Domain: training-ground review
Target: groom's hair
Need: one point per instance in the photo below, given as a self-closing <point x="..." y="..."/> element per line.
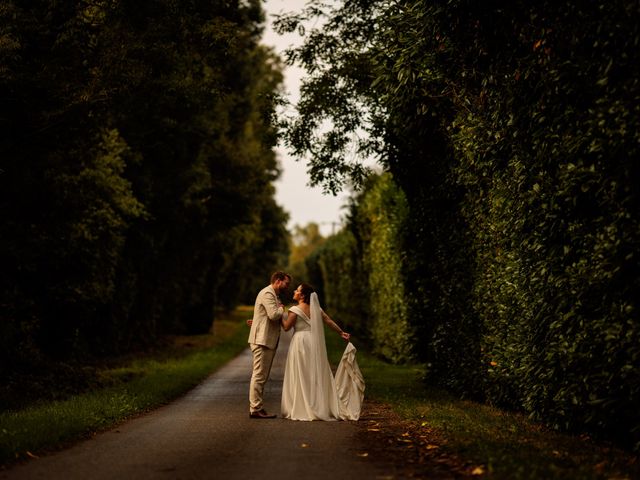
<point x="306" y="290"/>
<point x="279" y="276"/>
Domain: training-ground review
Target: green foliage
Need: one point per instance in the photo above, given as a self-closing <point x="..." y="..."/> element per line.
<point x="547" y="161"/>
<point x="136" y="178"/>
<point x="337" y="81"/>
<point x="343" y="281"/>
<point x="361" y="271"/>
<point x="97" y="205"/>
<point x="522" y="236"/>
<point x="304" y="240"/>
<point x="385" y="210"/>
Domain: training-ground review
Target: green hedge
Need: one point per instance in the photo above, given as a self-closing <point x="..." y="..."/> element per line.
<point x="532" y="152"/>
<point x="361" y="271"/>
<point x="513" y="131"/>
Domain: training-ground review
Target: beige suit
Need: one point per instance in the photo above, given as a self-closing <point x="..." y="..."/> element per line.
<point x="263" y="339"/>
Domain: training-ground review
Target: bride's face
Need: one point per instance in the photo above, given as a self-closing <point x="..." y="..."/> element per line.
<point x="297" y="295"/>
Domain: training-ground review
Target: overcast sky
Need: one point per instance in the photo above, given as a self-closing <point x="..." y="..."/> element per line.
<point x="304" y="203"/>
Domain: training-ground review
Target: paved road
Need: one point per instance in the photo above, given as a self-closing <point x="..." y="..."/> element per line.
<point x="208" y="434"/>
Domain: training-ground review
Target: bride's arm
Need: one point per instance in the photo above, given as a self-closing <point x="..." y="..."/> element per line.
<point x="334" y="326"/>
<point x="290" y="321"/>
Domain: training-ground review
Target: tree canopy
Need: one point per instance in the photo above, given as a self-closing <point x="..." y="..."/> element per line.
<point x="137" y="166"/>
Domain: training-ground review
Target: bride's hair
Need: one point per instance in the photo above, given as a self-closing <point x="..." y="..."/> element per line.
<point x="306" y="290"/>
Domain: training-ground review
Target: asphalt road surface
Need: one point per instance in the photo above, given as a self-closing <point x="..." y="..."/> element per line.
<point x="207" y="434"/>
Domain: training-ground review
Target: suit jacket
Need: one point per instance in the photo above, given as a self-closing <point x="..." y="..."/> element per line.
<point x="265" y="329"/>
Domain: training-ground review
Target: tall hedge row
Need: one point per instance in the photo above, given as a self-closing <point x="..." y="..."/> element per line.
<point x="549" y="164"/>
<point x="521" y="242"/>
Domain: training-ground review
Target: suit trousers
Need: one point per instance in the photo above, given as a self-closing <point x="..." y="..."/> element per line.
<point x="262" y="361"/>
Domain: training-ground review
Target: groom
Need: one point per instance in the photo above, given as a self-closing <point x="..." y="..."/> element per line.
<point x="263" y="338"/>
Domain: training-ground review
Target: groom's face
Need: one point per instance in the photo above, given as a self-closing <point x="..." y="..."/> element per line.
<point x="283" y="285"/>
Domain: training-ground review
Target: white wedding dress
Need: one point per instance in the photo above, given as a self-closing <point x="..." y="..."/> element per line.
<point x="309" y="390"/>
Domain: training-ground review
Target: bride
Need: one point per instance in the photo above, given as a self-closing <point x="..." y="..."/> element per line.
<point x="309" y="390"/>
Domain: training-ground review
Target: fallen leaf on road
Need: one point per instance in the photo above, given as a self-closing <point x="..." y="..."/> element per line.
<point x="477" y="471"/>
<point x="431" y="447"/>
<point x="304" y="445"/>
<point x="363" y="454"/>
<point x="31" y="455"/>
<point x="373" y="429"/>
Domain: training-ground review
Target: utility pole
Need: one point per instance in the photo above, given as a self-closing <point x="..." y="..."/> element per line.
<point x="333" y="226"/>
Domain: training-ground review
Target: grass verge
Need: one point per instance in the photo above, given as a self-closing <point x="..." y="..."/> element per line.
<point x="136" y="386"/>
<point x="500" y="444"/>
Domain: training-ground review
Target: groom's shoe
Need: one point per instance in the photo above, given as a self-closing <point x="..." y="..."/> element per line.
<point x="261" y="414"/>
